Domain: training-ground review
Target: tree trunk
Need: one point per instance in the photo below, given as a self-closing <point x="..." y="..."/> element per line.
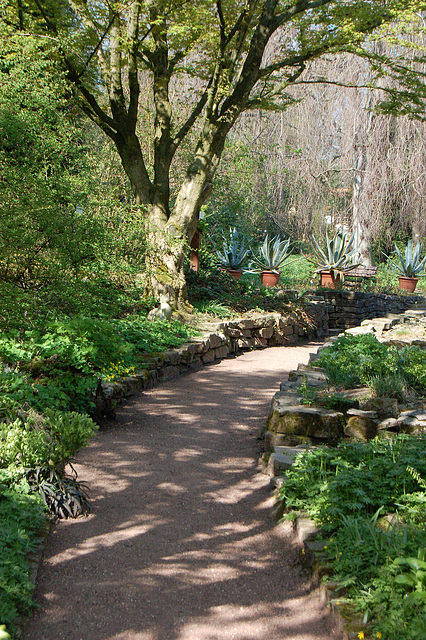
<point x="361" y="213"/>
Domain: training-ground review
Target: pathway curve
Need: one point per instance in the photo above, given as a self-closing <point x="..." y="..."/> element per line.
<point x="181" y="543"/>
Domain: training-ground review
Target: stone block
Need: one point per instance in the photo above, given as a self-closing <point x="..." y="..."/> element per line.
<point x="215" y="340"/>
<point x="221" y="352"/>
<point x="384" y="407"/>
<point x="280" y="461"/>
<point x="246" y="324"/>
<point x="171" y="357"/>
<point x="233" y="332"/>
<point x="361" y="428"/>
<point x="288" y="330"/>
<point x="246" y="333"/>
<point x="245" y="343"/>
<point x="208" y="357"/>
<point x="168" y="373"/>
<point x="312" y="422"/>
<point x="266" y="332"/>
<point x="389" y="424"/>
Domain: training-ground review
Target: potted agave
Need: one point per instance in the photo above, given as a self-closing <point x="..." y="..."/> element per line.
<point x="411" y="267"/>
<point x="234" y="254"/>
<point x="270" y="258"/>
<point x="335" y="261"/>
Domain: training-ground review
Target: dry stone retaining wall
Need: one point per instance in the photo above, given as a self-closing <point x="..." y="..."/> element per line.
<point x="349" y="308"/>
<point x="219" y="341"/>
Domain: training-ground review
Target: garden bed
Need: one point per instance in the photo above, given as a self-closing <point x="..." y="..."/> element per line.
<point x="359" y="502"/>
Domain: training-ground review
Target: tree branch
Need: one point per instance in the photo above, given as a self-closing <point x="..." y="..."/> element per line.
<point x="191" y="119"/>
<point x="133" y="67"/>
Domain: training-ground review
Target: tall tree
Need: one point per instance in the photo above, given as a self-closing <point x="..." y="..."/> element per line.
<point x="207" y="62"/>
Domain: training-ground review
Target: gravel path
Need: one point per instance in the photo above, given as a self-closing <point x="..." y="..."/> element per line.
<point x="181" y="543"/>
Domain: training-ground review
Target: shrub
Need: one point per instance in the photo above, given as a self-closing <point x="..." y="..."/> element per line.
<point x="354" y="360"/>
<point x="22" y="520"/>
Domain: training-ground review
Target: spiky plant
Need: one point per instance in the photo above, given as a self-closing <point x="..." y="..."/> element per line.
<point x="338" y="255"/>
<point x="411" y="265"/>
<point x="272" y="254"/>
<point x="235" y="252"/>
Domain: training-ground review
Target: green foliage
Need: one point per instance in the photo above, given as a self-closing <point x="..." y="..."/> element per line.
<point x="240" y="296"/>
<point x="414" y="366"/>
<point x="66" y="242"/>
<point x="365" y="497"/>
<point x="214" y="308"/>
<point x="22" y="520"/>
<point x="365" y="554"/>
<point x="62" y="495"/>
<point x="43" y="440"/>
<point x="333" y="483"/>
<point x="363" y="360"/>
<point x="413" y="576"/>
<point x="353" y="360"/>
<point x="151" y="336"/>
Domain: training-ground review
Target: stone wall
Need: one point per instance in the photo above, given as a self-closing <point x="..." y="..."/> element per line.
<point x="349" y="308"/>
<point x="218" y="340"/>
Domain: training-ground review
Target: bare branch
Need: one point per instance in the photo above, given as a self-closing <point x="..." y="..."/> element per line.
<point x="192" y="118"/>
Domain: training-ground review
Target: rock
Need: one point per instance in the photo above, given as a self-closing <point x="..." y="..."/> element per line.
<point x="272" y="440"/>
<point x="389" y="424"/>
<point x="266" y="332"/>
<point x="413" y="421"/>
<point x="285" y="397"/>
<point x="305" y="529"/>
<point x="311" y="422"/>
<point x="384" y="407"/>
<point x="368" y="415"/>
<point x="361" y="427"/>
<point x="282" y="459"/>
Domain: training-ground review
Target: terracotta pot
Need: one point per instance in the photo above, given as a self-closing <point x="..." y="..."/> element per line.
<point x="270" y="278"/>
<point x="329" y="280"/>
<point x="408" y="284"/>
<point x="235" y="273"/>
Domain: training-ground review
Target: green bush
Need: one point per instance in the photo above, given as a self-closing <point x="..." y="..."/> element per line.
<point x="22" y="519"/>
<point x="47" y="440"/>
<point x="366" y="498"/>
<point x="331" y="484"/>
<point x="355" y="360"/>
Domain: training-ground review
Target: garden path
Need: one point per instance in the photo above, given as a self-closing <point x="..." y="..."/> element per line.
<point x="181" y="544"/>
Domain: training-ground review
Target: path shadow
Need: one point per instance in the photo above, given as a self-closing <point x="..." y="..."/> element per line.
<point x="180" y="545"/>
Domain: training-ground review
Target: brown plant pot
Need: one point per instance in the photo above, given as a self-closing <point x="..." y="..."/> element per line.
<point x="408" y="284"/>
<point x="235" y="273"/>
<point x="329" y="280"/>
<point x="270" y="278"/>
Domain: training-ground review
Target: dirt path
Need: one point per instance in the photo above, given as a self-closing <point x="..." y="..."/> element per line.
<point x="181" y="543"/>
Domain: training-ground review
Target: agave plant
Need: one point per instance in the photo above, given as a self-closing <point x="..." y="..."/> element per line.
<point x="338" y="255"/>
<point x="272" y="254"/>
<point x="235" y="251"/>
<point x="411" y="265"/>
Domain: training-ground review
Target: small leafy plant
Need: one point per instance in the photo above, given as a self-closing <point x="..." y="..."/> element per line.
<point x="413" y="576"/>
